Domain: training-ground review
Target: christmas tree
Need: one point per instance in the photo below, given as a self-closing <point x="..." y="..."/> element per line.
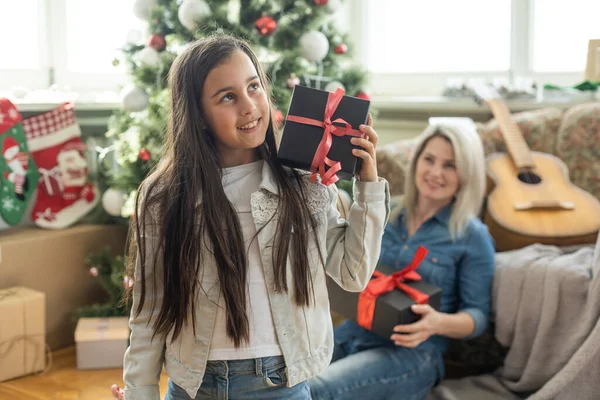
<point x="110" y="273"/>
<point x="297" y="43"/>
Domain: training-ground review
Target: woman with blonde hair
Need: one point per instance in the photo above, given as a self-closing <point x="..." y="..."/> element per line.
<point x="444" y="191"/>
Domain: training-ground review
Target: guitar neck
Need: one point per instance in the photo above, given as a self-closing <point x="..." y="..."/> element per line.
<point x="513" y="138"/>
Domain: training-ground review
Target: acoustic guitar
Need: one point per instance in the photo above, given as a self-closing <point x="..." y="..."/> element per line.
<point x="531" y="198"/>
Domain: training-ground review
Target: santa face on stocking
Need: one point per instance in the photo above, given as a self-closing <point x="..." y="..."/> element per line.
<point x="64" y="194"/>
<point x="73" y="168"/>
<point x="16" y="160"/>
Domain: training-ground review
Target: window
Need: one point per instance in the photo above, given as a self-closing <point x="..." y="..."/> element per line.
<point x="410" y="47"/>
<point x="561" y="33"/>
<point x="15" y="55"/>
<point x="67" y="43"/>
<point x="432" y="36"/>
<point x="23" y="60"/>
<point x="415" y="47"/>
<point x="94" y="32"/>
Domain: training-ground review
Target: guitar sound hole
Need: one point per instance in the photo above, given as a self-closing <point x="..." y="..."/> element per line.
<point x="529" y="178"/>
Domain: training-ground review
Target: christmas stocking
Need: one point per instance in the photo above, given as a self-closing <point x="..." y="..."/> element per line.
<point x="18" y="173"/>
<point x="64" y="193"/>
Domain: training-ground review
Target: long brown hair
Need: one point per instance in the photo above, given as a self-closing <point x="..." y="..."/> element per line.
<point x="190" y="171"/>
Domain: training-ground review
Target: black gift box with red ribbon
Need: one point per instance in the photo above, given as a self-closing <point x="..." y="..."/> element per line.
<point x="316" y="117"/>
<point x="388" y="309"/>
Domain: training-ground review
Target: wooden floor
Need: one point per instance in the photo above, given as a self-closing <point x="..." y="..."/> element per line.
<point x="65" y="382"/>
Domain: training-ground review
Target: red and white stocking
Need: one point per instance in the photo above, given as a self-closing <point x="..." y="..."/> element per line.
<point x="64" y="193"/>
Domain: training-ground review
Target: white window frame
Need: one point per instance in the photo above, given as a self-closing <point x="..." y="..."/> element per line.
<point x="78" y="81"/>
<point x="385" y="85"/>
<point x="54" y="69"/>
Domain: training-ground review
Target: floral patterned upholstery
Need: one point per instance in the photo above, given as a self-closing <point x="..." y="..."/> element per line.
<point x="573" y="135"/>
<point x="578" y="145"/>
<point x="392" y="161"/>
<point x="538" y="127"/>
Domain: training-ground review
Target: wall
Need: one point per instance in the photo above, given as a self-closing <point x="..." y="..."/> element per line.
<point x="399" y="123"/>
<point x="405" y="117"/>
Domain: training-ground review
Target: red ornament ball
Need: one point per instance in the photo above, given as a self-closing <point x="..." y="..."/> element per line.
<point x="157" y="42"/>
<point x="144" y="154"/>
<point x="89" y="195"/>
<point x="265" y="25"/>
<point x="341" y="48"/>
<point x="321" y="2"/>
<point x="362" y="95"/>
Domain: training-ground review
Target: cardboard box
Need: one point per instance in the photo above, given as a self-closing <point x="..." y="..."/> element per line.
<point x="299" y="141"/>
<point x="22" y="332"/>
<point x="53" y="262"/>
<point x="101" y="342"/>
<point x="391" y="309"/>
<point x="592" y="68"/>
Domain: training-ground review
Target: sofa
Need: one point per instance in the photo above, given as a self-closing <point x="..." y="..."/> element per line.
<point x="573" y="135"/>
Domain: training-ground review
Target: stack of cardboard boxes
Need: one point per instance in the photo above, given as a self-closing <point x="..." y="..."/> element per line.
<point x="43" y="279"/>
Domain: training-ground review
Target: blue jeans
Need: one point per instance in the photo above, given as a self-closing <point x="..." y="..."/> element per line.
<point x="261" y="378"/>
<point x="364" y="366"/>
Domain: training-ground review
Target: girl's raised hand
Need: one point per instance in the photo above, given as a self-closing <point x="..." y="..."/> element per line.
<point x="368" y="170"/>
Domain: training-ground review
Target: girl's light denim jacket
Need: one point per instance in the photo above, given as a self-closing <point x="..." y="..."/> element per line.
<point x="351" y="247"/>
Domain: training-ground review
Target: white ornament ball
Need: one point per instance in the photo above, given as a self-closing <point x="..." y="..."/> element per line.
<point x="141" y="8"/>
<point x="314" y="45"/>
<point x="112" y="202"/>
<point x="135" y="36"/>
<point x="333" y="5"/>
<point x="148" y="56"/>
<point x="334" y="85"/>
<point x="192" y="12"/>
<point x="134" y="98"/>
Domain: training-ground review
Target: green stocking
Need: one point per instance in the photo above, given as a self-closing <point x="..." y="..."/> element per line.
<point x="18" y="173"/>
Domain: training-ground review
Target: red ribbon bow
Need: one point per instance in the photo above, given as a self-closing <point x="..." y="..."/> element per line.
<point x="317" y="166"/>
<point x="382" y="284"/>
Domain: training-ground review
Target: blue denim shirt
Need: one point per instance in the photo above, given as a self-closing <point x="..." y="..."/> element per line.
<point x="463" y="268"/>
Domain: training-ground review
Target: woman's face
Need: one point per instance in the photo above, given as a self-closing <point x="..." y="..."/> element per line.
<point x="435" y="173"/>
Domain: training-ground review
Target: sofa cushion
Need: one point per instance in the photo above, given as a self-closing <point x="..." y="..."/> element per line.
<point x="392" y="162"/>
<point x="578" y="145"/>
<point x="572" y="135"/>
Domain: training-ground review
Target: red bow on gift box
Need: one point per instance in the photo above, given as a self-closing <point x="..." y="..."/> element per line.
<point x="382" y="284"/>
<point x="320" y="159"/>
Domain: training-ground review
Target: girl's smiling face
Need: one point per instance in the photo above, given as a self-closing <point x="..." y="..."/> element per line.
<point x="236" y="109"/>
